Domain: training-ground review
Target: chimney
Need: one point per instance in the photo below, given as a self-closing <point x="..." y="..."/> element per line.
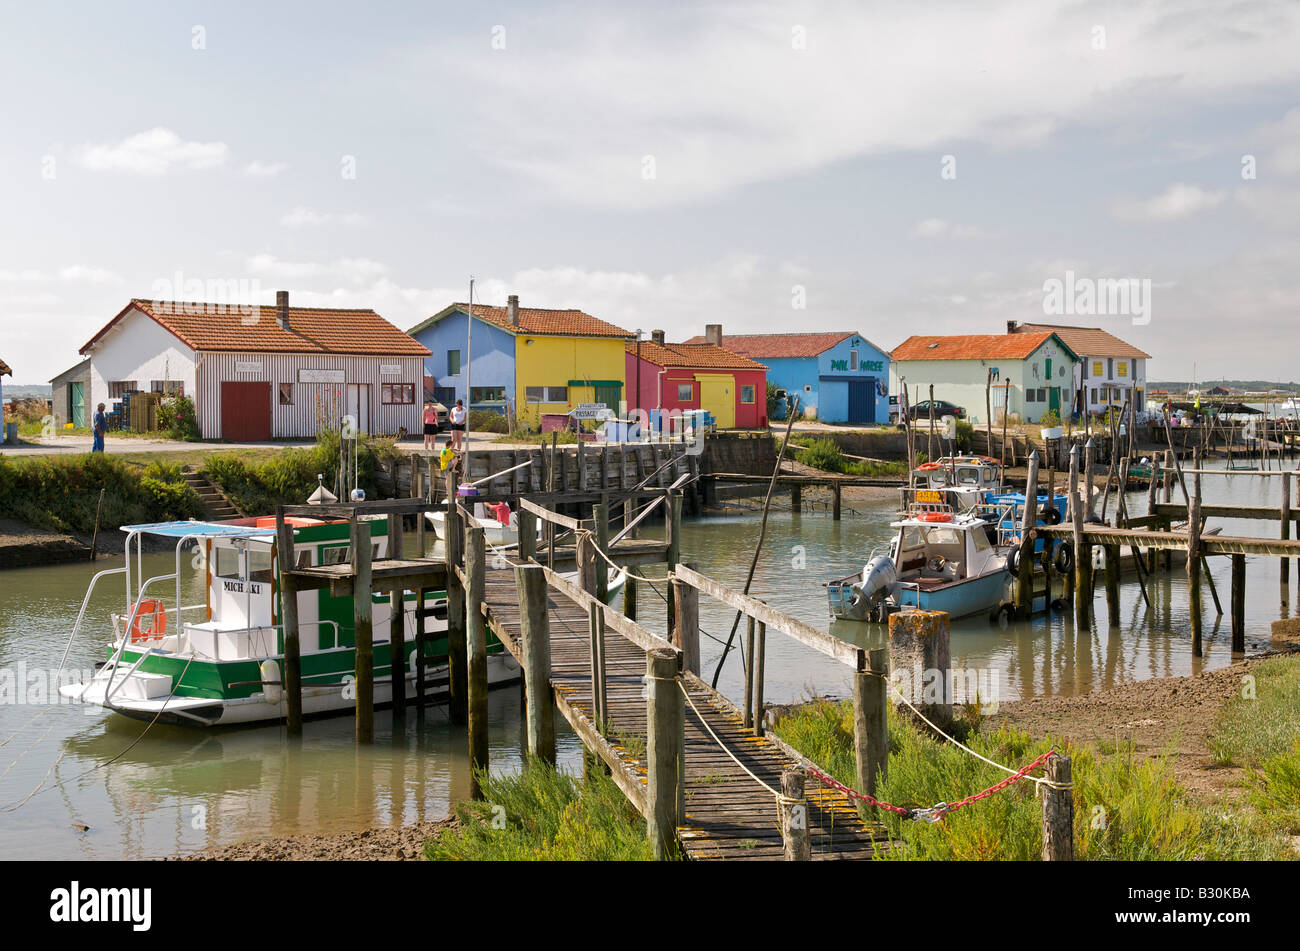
<point x="282" y="309"/>
<point x="512" y="309"/>
<point x="657" y="337"/>
<point x="713" y="334"/>
<point x="1011" y="326"/>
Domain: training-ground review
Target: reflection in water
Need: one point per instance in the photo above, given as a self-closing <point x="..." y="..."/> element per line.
<point x="179" y="790"/>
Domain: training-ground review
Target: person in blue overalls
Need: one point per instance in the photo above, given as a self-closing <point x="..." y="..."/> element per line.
<point x="100" y="426"/>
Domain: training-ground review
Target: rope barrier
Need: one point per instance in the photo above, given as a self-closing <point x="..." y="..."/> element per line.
<point x="779" y="797"/>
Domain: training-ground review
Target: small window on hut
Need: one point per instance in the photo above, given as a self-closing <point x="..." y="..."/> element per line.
<point x="398" y="393"/>
<point x="286" y="394"/>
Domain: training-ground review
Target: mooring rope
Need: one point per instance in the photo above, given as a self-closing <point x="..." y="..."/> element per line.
<point x="685" y="693"/>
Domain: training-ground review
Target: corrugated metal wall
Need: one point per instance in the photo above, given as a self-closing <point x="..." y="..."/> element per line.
<point x="298" y="420"/>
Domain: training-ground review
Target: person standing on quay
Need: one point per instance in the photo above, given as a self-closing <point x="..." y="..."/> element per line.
<point x="99" y="425"/>
<point x="430" y="426"/>
<point x="458" y="426"/>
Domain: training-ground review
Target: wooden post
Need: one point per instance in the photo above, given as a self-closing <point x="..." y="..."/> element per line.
<point x="476" y="643"/>
<point x="363" y="617"/>
<point x="836" y="492"/>
<point x="796" y="498"/>
<point x="600" y="512"/>
<point x="1082" y="554"/>
<point x="289" y="624"/>
<point x="1029" y="519"/>
<point x="920" y="645"/>
<point x="686" y="624"/>
<point x="1238" y="604"/>
<point x="747" y="713"/>
<point x="418" y="491"/>
<point x="1089" y="474"/>
<point x="596" y="634"/>
<point x="586" y="562"/>
<point x="760" y="664"/>
<point x="870" y="731"/>
<point x="527" y="534"/>
<point x="1058" y="811"/>
<point x="666" y="725"/>
<point x="673" y="536"/>
<point x="1194" y="559"/>
<point x="1286" y="534"/>
<point x="535" y="632"/>
<point x="929" y="446"/>
<point x="457" y="642"/>
<point x="397" y="621"/>
<point x="1112" y="584"/>
<point x="1168" y="496"/>
<point x="629" y="503"/>
<point x="794" y="817"/>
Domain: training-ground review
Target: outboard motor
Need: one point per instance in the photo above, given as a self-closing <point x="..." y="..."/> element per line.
<point x="879" y="584"/>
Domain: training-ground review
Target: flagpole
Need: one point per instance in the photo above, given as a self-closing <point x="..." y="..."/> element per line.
<point x="469" y="362"/>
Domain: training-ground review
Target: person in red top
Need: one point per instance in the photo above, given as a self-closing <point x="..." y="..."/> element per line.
<point x="430" y="426"/>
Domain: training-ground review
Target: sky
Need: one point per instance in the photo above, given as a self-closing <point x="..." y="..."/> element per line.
<point x="892" y="168"/>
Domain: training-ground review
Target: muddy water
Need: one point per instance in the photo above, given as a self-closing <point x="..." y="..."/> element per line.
<point x="176" y="790"/>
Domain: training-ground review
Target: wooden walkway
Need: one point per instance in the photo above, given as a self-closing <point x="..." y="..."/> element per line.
<point x="728" y="815"/>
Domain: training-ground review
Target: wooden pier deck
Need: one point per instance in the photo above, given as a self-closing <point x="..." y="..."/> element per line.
<point x="727" y="814"/>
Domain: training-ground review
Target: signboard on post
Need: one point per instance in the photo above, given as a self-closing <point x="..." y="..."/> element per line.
<point x="321" y="376"/>
<point x="591" y="411"/>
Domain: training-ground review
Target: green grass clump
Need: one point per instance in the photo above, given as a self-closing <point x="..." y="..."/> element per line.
<point x="822" y="452"/>
<point x="1251" y="730"/>
<point x="543" y="814"/>
<point x="1275" y="789"/>
<point x="1125" y="807"/>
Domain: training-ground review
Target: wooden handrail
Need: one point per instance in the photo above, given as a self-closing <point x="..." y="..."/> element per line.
<point x="547" y="515"/>
<point x="615" y="621"/>
<point x="828" y="644"/>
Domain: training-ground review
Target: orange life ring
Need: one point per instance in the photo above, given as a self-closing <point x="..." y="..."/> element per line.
<point x="157" y="626"/>
<point x="929" y="466"/>
<point x="936" y="517"/>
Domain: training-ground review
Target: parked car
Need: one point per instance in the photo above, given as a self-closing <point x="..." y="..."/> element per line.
<point x="942" y="408"/>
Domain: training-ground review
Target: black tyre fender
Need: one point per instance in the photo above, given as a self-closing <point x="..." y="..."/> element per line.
<point x="1063" y="558"/>
<point x="1013" y="561"/>
<point x="1051" y="517"/>
<point x="1003" y="615"/>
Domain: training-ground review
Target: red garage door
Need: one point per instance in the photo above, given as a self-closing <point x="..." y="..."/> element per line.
<point x="245" y="411"/>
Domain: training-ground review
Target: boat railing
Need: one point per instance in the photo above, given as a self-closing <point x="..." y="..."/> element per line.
<point x="276" y="629"/>
<point x="85" y="602"/>
<point x="111" y="688"/>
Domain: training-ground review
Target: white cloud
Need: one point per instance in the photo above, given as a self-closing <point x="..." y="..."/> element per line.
<point x="260" y="169"/>
<point x="303" y="217"/>
<point x="88" y="275"/>
<point x="155" y="152"/>
<point x="1276" y="206"/>
<point x="13" y="277"/>
<point x="354" y="270"/>
<point x="941" y="228"/>
<point x="721" y="99"/>
<point x="1175" y="202"/>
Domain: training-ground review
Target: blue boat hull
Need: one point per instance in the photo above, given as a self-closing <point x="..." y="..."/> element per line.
<point x="972" y="596"/>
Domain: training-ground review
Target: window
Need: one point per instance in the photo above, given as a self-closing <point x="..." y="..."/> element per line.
<point x="1093" y="397"/>
<point x="685" y="392"/>
<point x="1122" y="368"/>
<point x="336" y="555"/>
<point x="167" y="387"/>
<point x="1096" y="368"/>
<point x="286" y="394"/>
<point x="119" y="388"/>
<point x="747" y="393"/>
<point x="853" y="361"/>
<point x="546" y="394"/>
<point x="1110" y="368"/>
<point x="259" y="565"/>
<point x="225" y="562"/>
<point x="397" y="394"/>
<point x="453" y="363"/>
<point x="487" y="394"/>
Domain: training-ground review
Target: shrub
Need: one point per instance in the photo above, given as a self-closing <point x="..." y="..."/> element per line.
<point x="486" y="421"/>
<point x="177" y="418"/>
<point x="965" y="435"/>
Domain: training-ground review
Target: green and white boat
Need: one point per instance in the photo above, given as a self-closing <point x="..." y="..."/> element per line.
<point x="221" y="662"/>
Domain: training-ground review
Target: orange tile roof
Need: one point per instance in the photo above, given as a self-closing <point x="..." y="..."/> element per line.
<point x="771" y="346"/>
<point x="216" y="327"/>
<point x="1016" y="346"/>
<point x="1087" y="341"/>
<point x="696" y="355"/>
<point x="537" y="321"/>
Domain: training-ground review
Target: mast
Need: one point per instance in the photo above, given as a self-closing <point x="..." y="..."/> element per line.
<point x="469" y="362"/>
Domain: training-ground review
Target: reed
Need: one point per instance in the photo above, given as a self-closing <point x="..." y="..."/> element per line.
<point x="544" y="814"/>
<point x="1263" y="720"/>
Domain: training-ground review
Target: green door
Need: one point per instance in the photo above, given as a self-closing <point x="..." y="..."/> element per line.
<point x="608" y="395"/>
<point x="1054" y="399"/>
<point x="77" y="404"/>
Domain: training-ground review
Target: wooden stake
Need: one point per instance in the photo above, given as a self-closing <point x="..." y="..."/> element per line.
<point x="457" y="641"/>
<point x="686" y="624"/>
<point x="476" y="643"/>
<point x="666" y="724"/>
<point x="870" y="728"/>
<point x="794" y="817"/>
<point x="596" y="635"/>
<point x="535" y="632"/>
<point x="365" y="634"/>
<point x="1238" y="604"/>
<point x="1286" y="534"/>
<point x="397" y="621"/>
<point x="289" y="624"/>
<point x="1082" y="555"/>
<point x="600" y="512"/>
<point x="1029" y="519"/>
<point x="1058" y="811"/>
<point x="1194" y="561"/>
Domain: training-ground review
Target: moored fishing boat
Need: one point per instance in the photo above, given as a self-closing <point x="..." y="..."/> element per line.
<point x="938" y="560"/>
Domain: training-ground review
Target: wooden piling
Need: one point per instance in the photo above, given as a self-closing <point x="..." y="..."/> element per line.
<point x="476" y="644"/>
<point x="1238" y="604"/>
<point x="1168" y="496"/>
<point x="666" y="725"/>
<point x="397" y="621"/>
<point x="535" y="632"/>
<point x="870" y="728"/>
<point x="1029" y="518"/>
<point x="1112" y="584"/>
<point x="920" y="645"/>
<point x="760" y="672"/>
<point x="600" y="513"/>
<point x="289" y="623"/>
<point x="673" y="536"/>
<point x="527" y="534"/>
<point x="457" y="641"/>
<point x="796" y="498"/>
<point x="1194" y="560"/>
<point x="1082" y="553"/>
<point x="836" y="493"/>
<point x="1058" y="811"/>
<point x="1286" y="534"/>
<point x="794" y="817"/>
<point x="686" y="624"/>
<point x="363" y="617"/>
<point x="747" y="713"/>
<point x="596" y="636"/>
